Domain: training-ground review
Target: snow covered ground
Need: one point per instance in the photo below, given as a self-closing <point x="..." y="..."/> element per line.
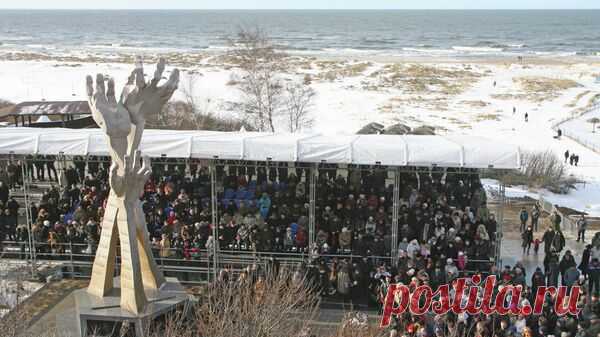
<point x="473" y="97"/>
<point x="585" y="198"/>
<point x="15" y="286"/>
<point x="583" y="131"/>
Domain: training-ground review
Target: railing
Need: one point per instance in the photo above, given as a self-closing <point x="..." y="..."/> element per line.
<point x="594" y="146"/>
<point x="76" y="260"/>
<point x="566" y="223"/>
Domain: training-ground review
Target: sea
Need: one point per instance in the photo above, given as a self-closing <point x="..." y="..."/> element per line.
<point x="385" y="32"/>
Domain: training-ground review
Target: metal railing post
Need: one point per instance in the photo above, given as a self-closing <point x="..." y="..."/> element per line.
<point x="500" y="225"/>
<point x="395" y="215"/>
<point x="214" y="214"/>
<point x="311" y="209"/>
<point x="28" y="220"/>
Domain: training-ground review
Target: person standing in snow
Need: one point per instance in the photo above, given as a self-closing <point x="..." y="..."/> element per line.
<point x="526" y="117"/>
<point x="581" y="227"/>
<point x="535" y="216"/>
<point x="523" y="216"/>
<point x="567" y="154"/>
<point x="572" y="159"/>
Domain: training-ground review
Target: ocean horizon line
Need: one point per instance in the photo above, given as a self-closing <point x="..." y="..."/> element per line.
<point x="303" y="9"/>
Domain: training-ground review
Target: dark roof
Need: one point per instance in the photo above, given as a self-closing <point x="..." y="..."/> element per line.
<point x="51" y="108"/>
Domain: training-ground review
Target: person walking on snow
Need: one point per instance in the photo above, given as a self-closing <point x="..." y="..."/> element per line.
<point x="526" y="117"/>
<point x="567" y="154"/>
<point x="572" y="159"/>
<point x="527" y="237"/>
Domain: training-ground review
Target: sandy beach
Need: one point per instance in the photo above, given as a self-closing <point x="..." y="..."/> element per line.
<point x="469" y="95"/>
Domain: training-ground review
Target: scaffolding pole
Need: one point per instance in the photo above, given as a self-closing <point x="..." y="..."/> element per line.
<point x="500" y="225"/>
<point x="28" y="215"/>
<point x="312" y="192"/>
<point x="214" y="208"/>
<point x="395" y="215"/>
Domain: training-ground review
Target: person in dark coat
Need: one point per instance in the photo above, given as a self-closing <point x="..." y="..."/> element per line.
<point x="13" y="210"/>
<point x="527" y="238"/>
<point x="4" y="193"/>
<point x="523" y="216"/>
<point x="551" y="269"/>
<point x="585" y="260"/>
<point x="566" y="262"/>
<point x="537" y="280"/>
<point x="594" y="277"/>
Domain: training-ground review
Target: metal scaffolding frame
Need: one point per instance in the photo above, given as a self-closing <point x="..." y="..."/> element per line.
<point x="312" y="177"/>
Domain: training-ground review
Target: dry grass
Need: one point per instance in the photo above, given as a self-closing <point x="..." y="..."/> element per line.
<point x="487" y="117"/>
<point x="583" y="109"/>
<point x="540" y="89"/>
<point x="506" y="97"/>
<point x="175" y="59"/>
<point x="421" y="79"/>
<point x="575" y="100"/>
<point x="337" y="70"/>
<point x="475" y="104"/>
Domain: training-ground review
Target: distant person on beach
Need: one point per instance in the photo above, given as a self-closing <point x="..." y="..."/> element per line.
<point x="558" y="134"/>
<point x="567" y="155"/>
<point x="526" y="117"/>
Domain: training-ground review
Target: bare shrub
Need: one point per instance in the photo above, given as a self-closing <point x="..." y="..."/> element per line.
<point x="538" y="170"/>
<point x="299" y="99"/>
<point x="275" y="305"/>
<point x="180" y="115"/>
<point x="543" y="169"/>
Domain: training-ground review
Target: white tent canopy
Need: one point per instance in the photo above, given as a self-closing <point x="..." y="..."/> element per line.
<point x="390" y="150"/>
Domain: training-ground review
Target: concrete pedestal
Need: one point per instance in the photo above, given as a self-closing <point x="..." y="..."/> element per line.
<point x="107" y="309"/>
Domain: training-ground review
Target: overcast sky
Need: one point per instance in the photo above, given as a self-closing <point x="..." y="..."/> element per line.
<point x="300" y="4"/>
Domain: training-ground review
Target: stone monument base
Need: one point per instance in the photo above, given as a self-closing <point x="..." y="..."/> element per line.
<point x="81" y="314"/>
<point x="95" y="312"/>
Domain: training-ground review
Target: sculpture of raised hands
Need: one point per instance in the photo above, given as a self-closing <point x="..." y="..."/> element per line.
<point x="123" y="121"/>
<point x="146" y="99"/>
<point x="136" y="172"/>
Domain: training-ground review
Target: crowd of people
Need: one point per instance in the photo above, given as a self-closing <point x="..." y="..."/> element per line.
<point x="445" y="230"/>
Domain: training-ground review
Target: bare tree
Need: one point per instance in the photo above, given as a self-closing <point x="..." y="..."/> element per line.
<point x="299" y="100"/>
<point x="187" y="87"/>
<point x="261" y="85"/>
